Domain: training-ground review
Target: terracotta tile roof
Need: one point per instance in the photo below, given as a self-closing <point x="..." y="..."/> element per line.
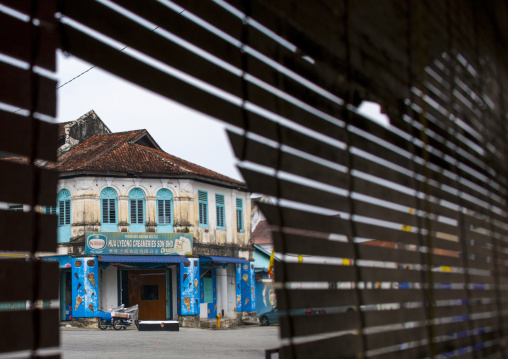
<point x="262" y="233"/>
<point x="118" y="153"/>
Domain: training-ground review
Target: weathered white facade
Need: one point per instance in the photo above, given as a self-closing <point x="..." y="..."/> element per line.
<point x="120" y="191"/>
<point x="86" y="211"/>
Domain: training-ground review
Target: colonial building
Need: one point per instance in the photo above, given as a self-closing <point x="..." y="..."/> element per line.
<point x="137" y="225"/>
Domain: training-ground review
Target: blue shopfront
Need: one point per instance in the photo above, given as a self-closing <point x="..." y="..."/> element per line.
<point x="158" y="272"/>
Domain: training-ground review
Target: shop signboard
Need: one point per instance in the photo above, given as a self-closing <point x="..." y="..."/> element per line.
<point x="133" y="243"/>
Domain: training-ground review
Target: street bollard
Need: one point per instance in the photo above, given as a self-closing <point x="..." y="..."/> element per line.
<point x="218" y="321"/>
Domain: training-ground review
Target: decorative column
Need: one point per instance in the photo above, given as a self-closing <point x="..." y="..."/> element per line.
<point x="248" y="288"/>
<point x="239" y="306"/>
<point x="123" y="213"/>
<point x="151" y="214"/>
<point x="85" y="284"/>
<point x="188" y="287"/>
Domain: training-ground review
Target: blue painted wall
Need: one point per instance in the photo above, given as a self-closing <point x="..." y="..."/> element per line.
<point x="85" y="287"/>
<point x="188" y="287"/>
<point x="64" y="234"/>
<point x="265" y="297"/>
<point x="261" y="259"/>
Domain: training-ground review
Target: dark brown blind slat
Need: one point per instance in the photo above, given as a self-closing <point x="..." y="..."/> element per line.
<point x="19" y="34"/>
<point x="21" y="241"/>
<point x="16" y="90"/>
<point x="14" y="130"/>
<point x="22" y="289"/>
<point x="15" y="188"/>
<point x="426" y="191"/>
<point x="27" y="143"/>
<point x="21" y="325"/>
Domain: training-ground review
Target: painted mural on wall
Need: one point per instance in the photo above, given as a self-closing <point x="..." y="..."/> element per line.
<point x="248" y="289"/>
<point x="239" y="302"/>
<point x="118" y="243"/>
<point x="265" y="297"/>
<point x="188" y="280"/>
<point x="85" y="287"/>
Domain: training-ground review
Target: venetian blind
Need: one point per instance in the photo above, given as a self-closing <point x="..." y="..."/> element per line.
<point x="401" y="220"/>
<point x="28" y="138"/>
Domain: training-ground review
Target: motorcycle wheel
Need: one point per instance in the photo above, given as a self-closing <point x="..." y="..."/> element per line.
<point x="117" y="324"/>
<point x="103" y="325"/>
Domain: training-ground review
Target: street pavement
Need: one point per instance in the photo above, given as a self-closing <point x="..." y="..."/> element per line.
<point x="243" y="342"/>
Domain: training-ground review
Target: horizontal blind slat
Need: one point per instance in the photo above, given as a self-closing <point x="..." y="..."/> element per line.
<point x="18" y="276"/>
<point x="17" y="44"/>
<point x="13" y="139"/>
<point x="16" y="89"/>
<point x="21" y="241"/>
<point x="21" y="326"/>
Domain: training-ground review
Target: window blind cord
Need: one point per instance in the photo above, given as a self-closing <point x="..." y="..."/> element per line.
<point x="278" y="166"/>
<point x="34" y="133"/>
<point x="500" y="80"/>
<point x="458" y="173"/>
<point x="412" y="130"/>
<point x="495" y="244"/>
<point x="245" y="88"/>
<point x="350" y="166"/>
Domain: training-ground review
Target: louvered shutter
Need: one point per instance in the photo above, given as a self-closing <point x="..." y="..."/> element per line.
<point x="203" y="208"/>
<point x="239" y="214"/>
<point x="219" y="205"/>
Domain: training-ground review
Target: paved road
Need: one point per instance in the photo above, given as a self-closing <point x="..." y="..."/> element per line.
<point x="246" y="342"/>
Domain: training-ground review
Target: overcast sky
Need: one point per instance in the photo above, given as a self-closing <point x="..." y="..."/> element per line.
<point x="123" y="107"/>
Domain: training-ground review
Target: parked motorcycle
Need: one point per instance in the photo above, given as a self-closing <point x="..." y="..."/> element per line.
<point x="118" y="318"/>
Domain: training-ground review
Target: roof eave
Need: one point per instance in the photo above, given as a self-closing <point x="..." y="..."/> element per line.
<point x="217" y="182"/>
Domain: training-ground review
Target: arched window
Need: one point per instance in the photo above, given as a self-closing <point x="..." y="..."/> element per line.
<point x="164" y="211"/>
<point x="109" y="216"/>
<point x="64" y="215"/>
<point x="137" y="210"/>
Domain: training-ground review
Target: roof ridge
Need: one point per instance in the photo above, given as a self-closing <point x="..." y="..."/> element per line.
<point x="111" y="148"/>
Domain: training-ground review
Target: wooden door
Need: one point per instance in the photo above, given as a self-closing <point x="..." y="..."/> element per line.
<point x="147" y="288"/>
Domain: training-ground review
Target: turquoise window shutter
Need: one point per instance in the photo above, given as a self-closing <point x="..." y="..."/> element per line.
<point x="137" y="210"/>
<point x="50" y="209"/>
<point x="63" y="210"/>
<point x="164" y="211"/>
<point x="239" y="214"/>
<point x="219" y="205"/>
<point x="203" y="208"/>
<point x="109" y="210"/>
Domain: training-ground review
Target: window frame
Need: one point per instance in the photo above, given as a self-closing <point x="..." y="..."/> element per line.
<point x="240" y="225"/>
<point x="164" y="197"/>
<point x="109" y="194"/>
<point x="137" y="196"/>
<point x="220" y="211"/>
<point x="203" y="218"/>
<point x="63" y="208"/>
